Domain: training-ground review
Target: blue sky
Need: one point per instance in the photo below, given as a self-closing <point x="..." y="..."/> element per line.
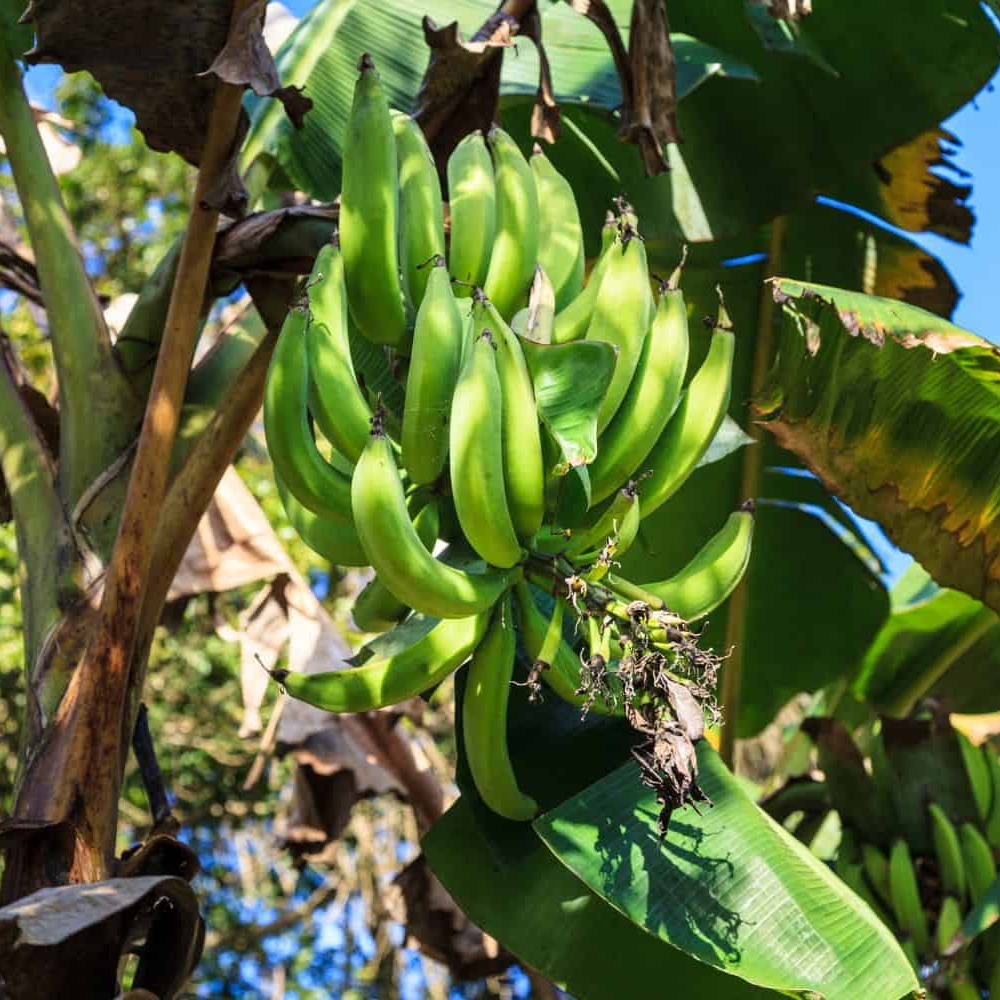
<point x="977" y="127"/>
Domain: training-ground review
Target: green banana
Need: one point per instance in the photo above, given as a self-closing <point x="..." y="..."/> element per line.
<point x="852" y="875"/>
<point x="472" y="209"/>
<point x="369" y="214"/>
<point x="376" y="609"/>
<point x="477" y="472"/>
<point x="948" y="851"/>
<point x="515" y="244"/>
<point x="712" y="575"/>
<point x="560" y="239"/>
<point x="333" y="540"/>
<point x="911" y="953"/>
<point x="520" y="436"/>
<point x="539" y="635"/>
<point x="876" y="866"/>
<point x="651" y="399"/>
<point x="695" y="422"/>
<point x="980" y="866"/>
<point x="338" y="404"/>
<point x="909" y="911"/>
<point x="395" y="550"/>
<point x="389" y="680"/>
<point x="993" y="820"/>
<point x="571" y="323"/>
<point x="313" y="481"/>
<point x="484" y="719"/>
<point x="620" y="519"/>
<point x="979" y="774"/>
<point x="620" y="316"/>
<point x="430" y="382"/>
<point x="949" y="923"/>
<point x="421" y="225"/>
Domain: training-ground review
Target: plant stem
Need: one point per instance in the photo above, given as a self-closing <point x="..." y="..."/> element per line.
<point x="753" y="463"/>
<point x="94" y="397"/>
<point x="38" y="513"/>
<point x="632" y="592"/>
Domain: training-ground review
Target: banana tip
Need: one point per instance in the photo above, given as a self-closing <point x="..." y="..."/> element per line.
<point x="749" y="506"/>
<point x="365" y="62"/>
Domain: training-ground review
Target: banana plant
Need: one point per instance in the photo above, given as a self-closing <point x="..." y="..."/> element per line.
<point x="94" y="515"/>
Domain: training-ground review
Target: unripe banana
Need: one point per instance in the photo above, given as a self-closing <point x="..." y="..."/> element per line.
<point x="521" y="438"/>
<point x="430" y="382"/>
<point x="948" y="851"/>
<point x="560" y="239"/>
<point x="338" y="404"/>
<point x="369" y="214"/>
<point x="376" y="609"/>
<point x="515" y="245"/>
<point x="383" y="681"/>
<point x="620" y="317"/>
<point x="484" y="719"/>
<point x="909" y="911"/>
<point x="472" y="208"/>
<point x="949" y="923"/>
<point x="712" y="575"/>
<point x="993" y="820"/>
<point x="979" y="774"/>
<point x="333" y="540"/>
<point x="651" y="399"/>
<point x="421" y="228"/>
<point x="477" y="472"/>
<point x="590" y="540"/>
<point x="877" y="869"/>
<point x="394" y="548"/>
<point x="980" y="866"/>
<point x="572" y="322"/>
<point x="852" y="875"/>
<point x="313" y="481"/>
<point x="694" y="424"/>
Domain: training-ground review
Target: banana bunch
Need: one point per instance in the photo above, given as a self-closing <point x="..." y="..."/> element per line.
<point x="925" y="899"/>
<point x="464" y="458"/>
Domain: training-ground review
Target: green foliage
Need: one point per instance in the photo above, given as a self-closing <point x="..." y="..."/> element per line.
<point x="125" y="228"/>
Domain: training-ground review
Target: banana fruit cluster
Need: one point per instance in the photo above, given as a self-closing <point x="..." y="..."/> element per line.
<point x="924" y="900"/>
<point x="465" y="458"/>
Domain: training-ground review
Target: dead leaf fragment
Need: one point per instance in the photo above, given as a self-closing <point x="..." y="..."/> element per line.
<point x="651" y="120"/>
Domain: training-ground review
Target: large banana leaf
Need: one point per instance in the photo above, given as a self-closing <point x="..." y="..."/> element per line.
<point x="552" y="921"/>
<point x="896" y="410"/>
<point x="728" y="886"/>
<point x="936" y="642"/>
<point x="750" y="151"/>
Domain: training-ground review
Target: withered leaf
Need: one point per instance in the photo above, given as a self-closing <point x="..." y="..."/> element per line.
<point x="651" y="117"/>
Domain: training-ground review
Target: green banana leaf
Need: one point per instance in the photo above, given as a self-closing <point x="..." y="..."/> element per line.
<point x="728" y="886"/>
<point x="570" y="381"/>
<point x="750" y="151"/>
<point x="895" y="409"/>
<point x="550" y="920"/>
<point x="936" y="642"/>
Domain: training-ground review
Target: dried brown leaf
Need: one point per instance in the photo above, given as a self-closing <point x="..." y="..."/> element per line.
<point x="417" y="900"/>
<point x="545" y="118"/>
<point x="650" y="121"/>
